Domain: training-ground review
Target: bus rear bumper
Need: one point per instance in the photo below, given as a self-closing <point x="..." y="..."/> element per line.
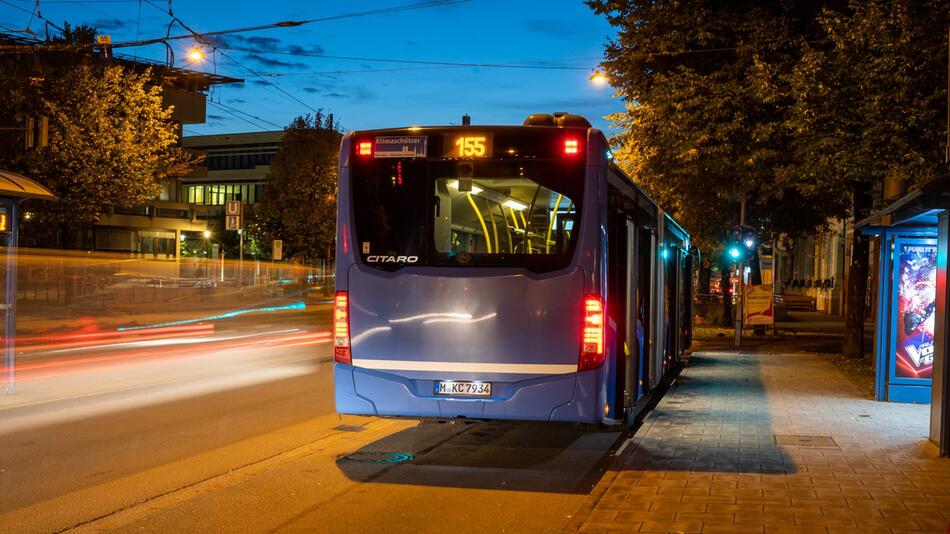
<point x="569" y="398"/>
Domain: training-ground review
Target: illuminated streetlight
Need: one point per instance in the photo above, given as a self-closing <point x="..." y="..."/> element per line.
<point x="196" y="54"/>
<point x="207" y="234"/>
<point x="598" y="79"/>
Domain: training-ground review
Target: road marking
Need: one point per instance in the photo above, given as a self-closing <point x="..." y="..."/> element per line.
<point x="623" y="446"/>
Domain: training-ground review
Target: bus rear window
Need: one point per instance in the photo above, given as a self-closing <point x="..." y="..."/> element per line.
<point x="449" y="213"/>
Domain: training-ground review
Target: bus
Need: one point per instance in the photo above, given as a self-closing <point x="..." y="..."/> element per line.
<point x="503" y="273"/>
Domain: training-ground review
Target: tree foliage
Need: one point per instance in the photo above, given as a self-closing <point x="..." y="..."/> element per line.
<point x="870" y="102"/>
<point x="111" y="141"/>
<point x="707" y="101"/>
<point x="803" y="108"/>
<point x="299" y="204"/>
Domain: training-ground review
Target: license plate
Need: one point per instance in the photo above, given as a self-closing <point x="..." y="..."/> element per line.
<point x="470" y="389"/>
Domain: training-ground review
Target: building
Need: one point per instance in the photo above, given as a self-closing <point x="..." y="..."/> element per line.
<point x="156" y="229"/>
<point x="235" y="168"/>
<point x="815" y="266"/>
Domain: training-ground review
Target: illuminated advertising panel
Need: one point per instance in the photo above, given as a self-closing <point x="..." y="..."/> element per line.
<point x="916" y="298"/>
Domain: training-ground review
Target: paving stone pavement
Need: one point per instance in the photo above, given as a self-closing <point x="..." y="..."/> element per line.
<point x="736" y="446"/>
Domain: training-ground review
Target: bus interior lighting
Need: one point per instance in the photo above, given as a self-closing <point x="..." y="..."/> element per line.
<point x="514" y="204"/>
<point x="341" y="328"/>
<point x="454" y="184"/>
<point x="364" y="148"/>
<point x="592" y="340"/>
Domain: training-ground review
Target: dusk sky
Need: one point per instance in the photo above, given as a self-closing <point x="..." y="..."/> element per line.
<point x="359" y="92"/>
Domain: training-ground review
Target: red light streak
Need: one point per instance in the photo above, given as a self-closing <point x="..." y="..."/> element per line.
<point x="36" y="371"/>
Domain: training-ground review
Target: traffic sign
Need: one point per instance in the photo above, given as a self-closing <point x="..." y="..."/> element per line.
<point x="233" y="214"/>
<point x="234" y="207"/>
<point x="278" y="253"/>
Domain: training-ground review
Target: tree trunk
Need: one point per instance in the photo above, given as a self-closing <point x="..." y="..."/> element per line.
<point x="856" y="303"/>
<point x="726" y="287"/>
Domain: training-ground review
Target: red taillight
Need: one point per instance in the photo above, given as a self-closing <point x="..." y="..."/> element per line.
<point x="364" y="148"/>
<point x="572" y="146"/>
<point x="592" y="338"/>
<point x="341" y="328"/>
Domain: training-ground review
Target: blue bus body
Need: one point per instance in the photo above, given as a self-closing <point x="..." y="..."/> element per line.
<point x="423" y="337"/>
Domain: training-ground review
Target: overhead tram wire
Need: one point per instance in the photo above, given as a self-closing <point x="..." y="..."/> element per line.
<point x="255" y="117"/>
<point x="81" y="1"/>
<point x="238" y="116"/>
<point x="405" y="61"/>
<point x="33" y="13"/>
<point x="397" y="69"/>
<point x="202" y="36"/>
<point x="268" y="82"/>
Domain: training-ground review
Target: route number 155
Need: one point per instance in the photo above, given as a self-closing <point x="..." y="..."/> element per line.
<point x="470" y="146"/>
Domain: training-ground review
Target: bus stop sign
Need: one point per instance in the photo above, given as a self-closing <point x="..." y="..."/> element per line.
<point x="233" y="213"/>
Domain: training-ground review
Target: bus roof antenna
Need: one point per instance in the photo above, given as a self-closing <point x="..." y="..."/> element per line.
<point x="466" y="120"/>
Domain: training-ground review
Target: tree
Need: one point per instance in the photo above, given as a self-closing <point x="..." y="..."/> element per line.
<point x="111" y="141"/>
<point x="870" y="103"/>
<point x="705" y="126"/>
<point x="707" y="97"/>
<point x="299" y="204"/>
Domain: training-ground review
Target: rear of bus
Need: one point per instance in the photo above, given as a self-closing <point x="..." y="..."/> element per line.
<point x="466" y="274"/>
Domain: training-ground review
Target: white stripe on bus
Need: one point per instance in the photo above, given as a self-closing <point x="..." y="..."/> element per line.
<point x="463" y="367"/>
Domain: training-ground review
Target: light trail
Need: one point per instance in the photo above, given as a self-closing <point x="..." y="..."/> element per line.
<point x="37" y="371"/>
<point x="228" y="315"/>
<point x="154" y="341"/>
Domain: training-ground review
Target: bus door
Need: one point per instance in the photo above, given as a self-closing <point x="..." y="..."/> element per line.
<point x="645" y="301"/>
<point x="672" y="307"/>
<point x="633" y="326"/>
<point x="618" y="280"/>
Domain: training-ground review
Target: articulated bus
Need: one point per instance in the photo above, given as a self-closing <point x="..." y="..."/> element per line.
<point x="502" y="273"/>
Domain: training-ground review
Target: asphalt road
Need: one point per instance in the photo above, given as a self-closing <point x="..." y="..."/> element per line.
<point x="233" y="429"/>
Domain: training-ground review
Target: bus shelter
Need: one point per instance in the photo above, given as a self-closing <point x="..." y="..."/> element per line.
<point x="13" y="188"/>
<point x="912" y="331"/>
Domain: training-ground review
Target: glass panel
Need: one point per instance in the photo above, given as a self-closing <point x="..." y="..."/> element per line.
<point x="502" y="216"/>
<point x="505" y="213"/>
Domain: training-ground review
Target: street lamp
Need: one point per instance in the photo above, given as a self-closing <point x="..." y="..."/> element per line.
<point x="598" y="79"/>
<point x="196" y="54"/>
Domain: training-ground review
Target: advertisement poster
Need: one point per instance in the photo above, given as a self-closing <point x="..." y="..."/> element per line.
<point x="916" y="302"/>
<point x="758" y="305"/>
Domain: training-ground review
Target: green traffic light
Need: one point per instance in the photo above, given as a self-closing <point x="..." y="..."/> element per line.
<point x="734" y="252"/>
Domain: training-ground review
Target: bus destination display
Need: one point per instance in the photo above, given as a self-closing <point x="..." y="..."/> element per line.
<point x="467" y="145"/>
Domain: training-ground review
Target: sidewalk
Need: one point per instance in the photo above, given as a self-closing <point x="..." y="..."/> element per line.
<point x="774" y="440"/>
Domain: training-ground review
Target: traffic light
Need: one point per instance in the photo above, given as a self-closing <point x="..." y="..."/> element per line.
<point x="743" y="242"/>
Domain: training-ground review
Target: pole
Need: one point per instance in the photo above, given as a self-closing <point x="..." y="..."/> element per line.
<point x="739" y="305"/>
<point x="9" y="312"/>
<point x="241" y="257"/>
